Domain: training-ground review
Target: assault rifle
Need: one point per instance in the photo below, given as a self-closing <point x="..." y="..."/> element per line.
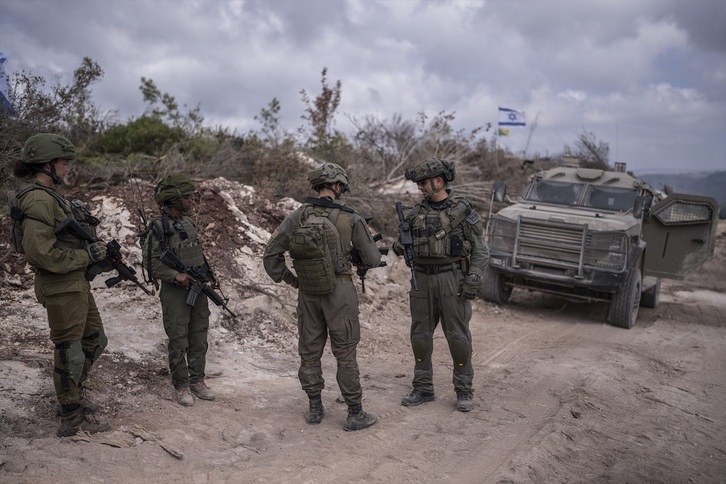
<point x="200" y="279"/>
<point x="113" y="259"/>
<point x="358" y="262"/>
<point x="406" y="238"/>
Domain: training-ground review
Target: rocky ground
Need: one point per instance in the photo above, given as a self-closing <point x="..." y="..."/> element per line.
<point x="560" y="396"/>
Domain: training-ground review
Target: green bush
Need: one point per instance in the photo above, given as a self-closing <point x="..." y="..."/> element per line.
<point x="147" y="135"/>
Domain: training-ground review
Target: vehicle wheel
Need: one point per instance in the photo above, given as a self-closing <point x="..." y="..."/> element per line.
<point x="625" y="303"/>
<point x="492" y="287"/>
<point x="650" y="298"/>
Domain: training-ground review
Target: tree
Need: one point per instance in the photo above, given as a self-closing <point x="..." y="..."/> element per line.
<point x="320" y="113"/>
<point x="591" y="152"/>
<point x="162" y="105"/>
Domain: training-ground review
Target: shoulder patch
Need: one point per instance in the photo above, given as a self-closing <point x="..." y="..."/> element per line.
<point x="473" y="218"/>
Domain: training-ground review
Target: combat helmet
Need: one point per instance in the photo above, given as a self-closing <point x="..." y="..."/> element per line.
<point x="328" y="173"/>
<point x="44" y="147"/>
<point x="431" y="168"/>
<point x="172" y="187"/>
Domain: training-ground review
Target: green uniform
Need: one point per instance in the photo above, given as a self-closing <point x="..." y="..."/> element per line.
<point x="185" y="326"/>
<point x="60" y="263"/>
<point x="334" y="314"/>
<point x="448" y="245"/>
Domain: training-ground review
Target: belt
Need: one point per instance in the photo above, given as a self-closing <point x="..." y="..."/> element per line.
<point x="435" y="268"/>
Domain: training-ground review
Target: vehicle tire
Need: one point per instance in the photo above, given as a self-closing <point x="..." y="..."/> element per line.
<point x="493" y="288"/>
<point x="651" y="297"/>
<point x="625" y="303"/>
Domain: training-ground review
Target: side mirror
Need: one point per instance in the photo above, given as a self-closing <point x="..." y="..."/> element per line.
<point x="641" y="207"/>
<point x="499" y="190"/>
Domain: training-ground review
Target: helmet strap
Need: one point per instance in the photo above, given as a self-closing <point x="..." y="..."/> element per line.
<point x="54" y="176"/>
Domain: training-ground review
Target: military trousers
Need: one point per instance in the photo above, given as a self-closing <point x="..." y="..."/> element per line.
<point x="186" y="327"/>
<point x="436" y="301"/>
<point x="336" y="315"/>
<point x="76" y="329"/>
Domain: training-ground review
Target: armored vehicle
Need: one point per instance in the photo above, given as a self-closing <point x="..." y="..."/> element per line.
<point x="596" y="235"/>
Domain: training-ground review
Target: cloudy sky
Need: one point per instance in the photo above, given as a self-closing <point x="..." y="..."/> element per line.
<point x="646" y="76"/>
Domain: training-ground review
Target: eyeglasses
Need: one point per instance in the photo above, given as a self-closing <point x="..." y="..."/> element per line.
<point x="422" y="183"/>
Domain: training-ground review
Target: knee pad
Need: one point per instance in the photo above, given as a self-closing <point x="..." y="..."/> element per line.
<point x="101" y="342"/>
<point x="70" y="360"/>
<point x="421" y="345"/>
<point x="460" y="351"/>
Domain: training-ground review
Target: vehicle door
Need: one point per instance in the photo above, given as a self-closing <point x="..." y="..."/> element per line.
<point x="680" y="235"/>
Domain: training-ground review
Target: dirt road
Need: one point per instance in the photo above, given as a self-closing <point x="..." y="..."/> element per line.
<point x="560" y="396"/>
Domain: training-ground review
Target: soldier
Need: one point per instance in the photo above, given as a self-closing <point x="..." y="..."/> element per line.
<point x="450" y="256"/>
<point x="327" y="299"/>
<point x="186" y="326"/>
<point x="60" y="263"/>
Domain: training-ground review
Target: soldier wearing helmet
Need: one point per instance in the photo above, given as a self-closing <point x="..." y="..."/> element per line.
<point x="186" y="326"/>
<point x="450" y="256"/>
<point x="327" y="299"/>
<point x="60" y="262"/>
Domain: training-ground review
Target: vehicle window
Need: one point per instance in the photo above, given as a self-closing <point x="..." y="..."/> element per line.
<point x="611" y="198"/>
<point x="562" y="193"/>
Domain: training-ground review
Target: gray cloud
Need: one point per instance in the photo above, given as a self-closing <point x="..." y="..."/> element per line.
<point x="647" y="76"/>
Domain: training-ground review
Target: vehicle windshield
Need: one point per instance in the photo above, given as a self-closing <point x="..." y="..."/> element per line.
<point x="611" y="198"/>
<point x="562" y="193"/>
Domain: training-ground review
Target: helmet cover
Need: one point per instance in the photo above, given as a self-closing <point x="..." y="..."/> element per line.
<point x="172" y="187"/>
<point x="432" y="168"/>
<point x="328" y="173"/>
<point x="44" y="147"/>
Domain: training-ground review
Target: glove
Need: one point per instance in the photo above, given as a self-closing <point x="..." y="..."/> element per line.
<point x="97" y="251"/>
<point x="469" y="287"/>
<point x="291" y="279"/>
<point x="398" y="248"/>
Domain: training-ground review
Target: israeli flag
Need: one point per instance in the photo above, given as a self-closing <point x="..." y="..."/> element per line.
<point x="511" y="117"/>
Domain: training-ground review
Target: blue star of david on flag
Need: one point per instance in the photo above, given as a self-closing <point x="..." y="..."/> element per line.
<point x="511" y="117"/>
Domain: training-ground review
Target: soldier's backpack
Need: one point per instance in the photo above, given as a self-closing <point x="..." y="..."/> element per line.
<point x="315" y="250"/>
<point x="17" y="215"/>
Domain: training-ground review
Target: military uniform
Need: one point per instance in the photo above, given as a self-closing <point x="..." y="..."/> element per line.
<point x="450" y="256"/>
<point x="60" y="262"/>
<point x="75" y="324"/>
<point x="441" y="265"/>
<point x="334" y="314"/>
<point x="186" y="326"/>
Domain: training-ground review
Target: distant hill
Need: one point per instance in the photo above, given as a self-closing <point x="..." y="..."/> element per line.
<point x="712" y="184"/>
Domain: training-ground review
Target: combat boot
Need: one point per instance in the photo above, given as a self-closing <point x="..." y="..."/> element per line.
<point x="315" y="414"/>
<point x="358" y="419"/>
<point x="79" y="419"/>
<point x="464" y="402"/>
<point x="417" y="397"/>
<point x="184" y="397"/>
<point x="201" y="390"/>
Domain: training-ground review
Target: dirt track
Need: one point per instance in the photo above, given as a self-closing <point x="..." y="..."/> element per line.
<point x="559" y="396"/>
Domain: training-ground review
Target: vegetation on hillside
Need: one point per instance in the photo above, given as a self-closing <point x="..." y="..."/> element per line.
<point x="168" y="137"/>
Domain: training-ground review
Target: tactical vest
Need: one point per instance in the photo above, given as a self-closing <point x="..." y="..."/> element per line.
<point x="74" y="208"/>
<point x="179" y="235"/>
<point x="431" y="229"/>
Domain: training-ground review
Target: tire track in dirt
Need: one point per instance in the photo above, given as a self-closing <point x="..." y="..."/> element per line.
<point x="532" y="405"/>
